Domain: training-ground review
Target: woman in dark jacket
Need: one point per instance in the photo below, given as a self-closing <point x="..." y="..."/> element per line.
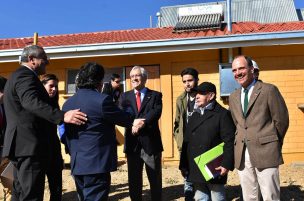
<point x="54" y="169"/>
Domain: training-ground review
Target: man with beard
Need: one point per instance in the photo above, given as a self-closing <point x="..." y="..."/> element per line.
<point x="184" y="108"/>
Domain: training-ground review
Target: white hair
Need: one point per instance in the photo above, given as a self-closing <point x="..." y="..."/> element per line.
<point x="255" y="65"/>
<point x="143" y="71"/>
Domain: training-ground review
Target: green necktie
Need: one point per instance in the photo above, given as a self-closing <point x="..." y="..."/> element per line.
<point x="245" y="102"/>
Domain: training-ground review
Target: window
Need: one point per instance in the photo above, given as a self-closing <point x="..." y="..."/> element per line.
<point x="71" y="86"/>
<point x="71" y="75"/>
<point x="227" y="81"/>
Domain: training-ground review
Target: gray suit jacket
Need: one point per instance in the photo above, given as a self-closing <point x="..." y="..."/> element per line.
<point x="264" y="127"/>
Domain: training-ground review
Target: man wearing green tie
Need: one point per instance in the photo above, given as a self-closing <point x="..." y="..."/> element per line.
<point x="261" y="118"/>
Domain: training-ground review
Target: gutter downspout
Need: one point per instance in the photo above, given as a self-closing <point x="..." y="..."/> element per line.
<point x="35" y="39"/>
<point x="229" y="26"/>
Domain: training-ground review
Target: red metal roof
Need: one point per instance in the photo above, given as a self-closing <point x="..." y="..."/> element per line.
<point x="148" y="34"/>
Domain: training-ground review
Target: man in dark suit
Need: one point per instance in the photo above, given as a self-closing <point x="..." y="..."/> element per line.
<point x="93" y="146"/>
<point x="143" y="143"/>
<point x="2" y="114"/>
<point x="112" y="88"/>
<point x="208" y="126"/>
<point x="28" y="113"/>
<point x="261" y="118"/>
<point x="3" y="161"/>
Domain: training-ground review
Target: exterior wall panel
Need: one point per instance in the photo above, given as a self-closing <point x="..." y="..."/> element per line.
<point x="280" y="65"/>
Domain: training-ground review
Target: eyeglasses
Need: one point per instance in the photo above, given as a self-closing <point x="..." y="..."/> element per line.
<point x="185" y="81"/>
<point x="136" y="75"/>
<point x="44" y="59"/>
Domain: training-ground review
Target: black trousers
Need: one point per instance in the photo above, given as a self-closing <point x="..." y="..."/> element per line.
<point x="29" y="178"/>
<point x="152" y="163"/>
<point x="93" y="187"/>
<point x="54" y="176"/>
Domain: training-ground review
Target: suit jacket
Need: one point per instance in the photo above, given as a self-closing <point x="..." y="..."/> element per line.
<point x="92" y="146"/>
<point x="149" y="136"/>
<point x="3" y="127"/>
<point x="28" y="111"/>
<point x="204" y="132"/>
<point x="107" y="89"/>
<point x="55" y="159"/>
<point x="264" y="127"/>
<point x="2" y="130"/>
<point x="180" y="120"/>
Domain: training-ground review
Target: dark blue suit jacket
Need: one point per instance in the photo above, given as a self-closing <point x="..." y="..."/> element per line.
<point x="93" y="146"/>
<point x="149" y="136"/>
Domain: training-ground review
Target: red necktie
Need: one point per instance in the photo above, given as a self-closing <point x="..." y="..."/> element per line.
<point x="138" y="102"/>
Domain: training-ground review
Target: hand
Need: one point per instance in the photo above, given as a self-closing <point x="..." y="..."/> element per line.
<point x="135" y="130"/>
<point x="75" y="117"/>
<point x="223" y="170"/>
<point x="139" y="123"/>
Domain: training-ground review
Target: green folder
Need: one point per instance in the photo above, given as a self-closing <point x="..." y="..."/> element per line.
<point x="206" y="157"/>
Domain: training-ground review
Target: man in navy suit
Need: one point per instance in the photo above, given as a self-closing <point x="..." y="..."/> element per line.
<point x="143" y="143"/>
<point x="93" y="146"/>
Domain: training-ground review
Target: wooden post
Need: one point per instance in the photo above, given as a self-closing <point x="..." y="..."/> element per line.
<point x="35" y="38"/>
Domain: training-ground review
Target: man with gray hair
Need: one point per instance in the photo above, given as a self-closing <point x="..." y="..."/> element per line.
<point x="28" y="113"/>
<point x="143" y="143"/>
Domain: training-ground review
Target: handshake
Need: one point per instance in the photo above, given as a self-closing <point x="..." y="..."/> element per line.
<point x="137" y="125"/>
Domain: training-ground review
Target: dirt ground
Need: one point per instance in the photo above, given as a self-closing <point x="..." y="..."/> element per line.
<point x="291" y="176"/>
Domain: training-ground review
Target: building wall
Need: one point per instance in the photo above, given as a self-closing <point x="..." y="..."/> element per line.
<point x="280" y="65"/>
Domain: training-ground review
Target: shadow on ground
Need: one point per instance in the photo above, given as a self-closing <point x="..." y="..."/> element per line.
<point x="169" y="193"/>
<point x="291" y="192"/>
<point x="70" y="196"/>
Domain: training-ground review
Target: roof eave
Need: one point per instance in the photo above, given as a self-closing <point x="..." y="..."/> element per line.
<point x="167" y="45"/>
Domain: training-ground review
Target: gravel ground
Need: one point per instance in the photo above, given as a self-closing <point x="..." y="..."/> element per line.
<point x="292" y="185"/>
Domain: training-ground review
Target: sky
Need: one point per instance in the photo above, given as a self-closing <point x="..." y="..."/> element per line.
<point x="21" y="18"/>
